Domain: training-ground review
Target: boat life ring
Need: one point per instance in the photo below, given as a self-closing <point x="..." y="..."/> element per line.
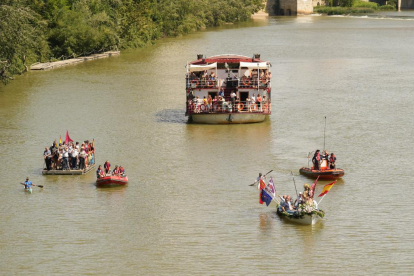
<point x="194" y="81"/>
<point x="240" y="106"/>
<point x="265" y="106"/>
<point x="203" y="107"/>
<point x="253" y="107"/>
<point x="210" y="83"/>
<point x="246" y="82"/>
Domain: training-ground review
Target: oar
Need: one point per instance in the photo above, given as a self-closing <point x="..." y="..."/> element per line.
<point x="40" y="186"/>
<point x="263" y="175"/>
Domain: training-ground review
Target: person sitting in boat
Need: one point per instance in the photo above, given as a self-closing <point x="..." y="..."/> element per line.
<point x="99" y="172"/>
<point x="332" y="161"/>
<point x="316" y="160"/>
<point x="116" y="171"/>
<point x="121" y="171"/>
<point x="107" y="167"/>
<point x="286" y="205"/>
<point x="299" y="200"/>
<point x="28" y="184"/>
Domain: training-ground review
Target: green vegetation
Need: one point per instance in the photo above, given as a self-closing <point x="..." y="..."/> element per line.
<point x="43" y="30"/>
<point x="353" y="7"/>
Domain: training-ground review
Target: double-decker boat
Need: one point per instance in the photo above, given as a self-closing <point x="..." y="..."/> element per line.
<point x="228" y="89"/>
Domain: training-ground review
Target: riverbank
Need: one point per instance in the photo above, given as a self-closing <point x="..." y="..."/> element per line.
<point x="60" y="63"/>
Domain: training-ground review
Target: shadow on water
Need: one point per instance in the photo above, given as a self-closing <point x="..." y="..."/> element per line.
<point x="174" y="116"/>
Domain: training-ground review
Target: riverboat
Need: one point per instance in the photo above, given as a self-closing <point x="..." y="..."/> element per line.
<point x="112" y="180"/>
<point x="219" y="77"/>
<point x="324" y="173"/>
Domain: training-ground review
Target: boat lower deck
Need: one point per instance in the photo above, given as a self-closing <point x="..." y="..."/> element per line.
<point x="68" y="172"/>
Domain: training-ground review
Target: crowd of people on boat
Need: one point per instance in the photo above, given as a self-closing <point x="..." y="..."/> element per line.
<point x="106" y="171"/>
<point x="203" y="78"/>
<point x="318" y="158"/>
<point x="304" y="198"/>
<point x="219" y="103"/>
<point x="69" y="156"/>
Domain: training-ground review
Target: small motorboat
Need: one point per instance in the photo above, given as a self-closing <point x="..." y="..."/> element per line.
<point x="112" y="180"/>
<point x="324" y="173"/>
<point x="306" y="215"/>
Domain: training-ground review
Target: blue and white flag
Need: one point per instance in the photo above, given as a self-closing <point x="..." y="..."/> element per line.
<point x="270" y="188"/>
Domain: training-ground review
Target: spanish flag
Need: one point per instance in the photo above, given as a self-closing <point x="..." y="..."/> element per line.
<point x="327" y="187"/>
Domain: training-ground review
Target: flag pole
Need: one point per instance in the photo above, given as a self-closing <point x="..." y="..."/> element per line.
<point x="324" y="130"/>
<point x="321" y="199"/>
<point x="294" y="184"/>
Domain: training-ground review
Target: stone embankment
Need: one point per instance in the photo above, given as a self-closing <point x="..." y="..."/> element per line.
<point x="56" y="64"/>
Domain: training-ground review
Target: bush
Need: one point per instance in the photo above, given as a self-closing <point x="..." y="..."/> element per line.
<point x="362" y="4"/>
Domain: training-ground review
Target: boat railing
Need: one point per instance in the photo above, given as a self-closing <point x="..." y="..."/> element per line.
<point x="227" y="107"/>
<point x="246" y="82"/>
<point x="202" y="83"/>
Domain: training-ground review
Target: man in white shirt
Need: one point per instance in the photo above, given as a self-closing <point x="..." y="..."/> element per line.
<point x="75" y="154"/>
<point x="233" y="100"/>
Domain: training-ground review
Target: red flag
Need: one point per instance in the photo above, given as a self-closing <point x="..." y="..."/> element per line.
<point x="67" y="140"/>
<point x="312" y="193"/>
<point x="327" y="187"/>
<point x="262" y="184"/>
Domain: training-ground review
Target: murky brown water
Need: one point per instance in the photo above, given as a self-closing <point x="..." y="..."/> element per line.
<point x="188" y="208"/>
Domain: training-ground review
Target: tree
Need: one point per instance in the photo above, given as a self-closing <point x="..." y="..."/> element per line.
<point x="22" y="40"/>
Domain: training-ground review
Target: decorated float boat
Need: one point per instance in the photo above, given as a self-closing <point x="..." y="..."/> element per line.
<point x="112" y="180"/>
<point x="220" y="88"/>
<point x="303" y="216"/>
<point x="324" y="172"/>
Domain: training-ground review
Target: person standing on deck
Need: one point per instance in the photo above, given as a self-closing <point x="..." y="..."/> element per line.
<point x="75" y="154"/>
<point x="47" y="155"/>
<point x="332" y="161"/>
<point x="107" y="167"/>
<point x="65" y="155"/>
<point x="233" y="100"/>
<point x="316" y="160"/>
<point x="221" y="93"/>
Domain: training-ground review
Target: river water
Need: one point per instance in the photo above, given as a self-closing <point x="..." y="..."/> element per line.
<point x="188" y="208"/>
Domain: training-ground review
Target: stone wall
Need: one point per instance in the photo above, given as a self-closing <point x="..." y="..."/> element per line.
<point x="293" y="7"/>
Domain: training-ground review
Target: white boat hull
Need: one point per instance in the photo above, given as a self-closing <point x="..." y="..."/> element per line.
<point x="228" y="118"/>
<point x="306" y="219"/>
